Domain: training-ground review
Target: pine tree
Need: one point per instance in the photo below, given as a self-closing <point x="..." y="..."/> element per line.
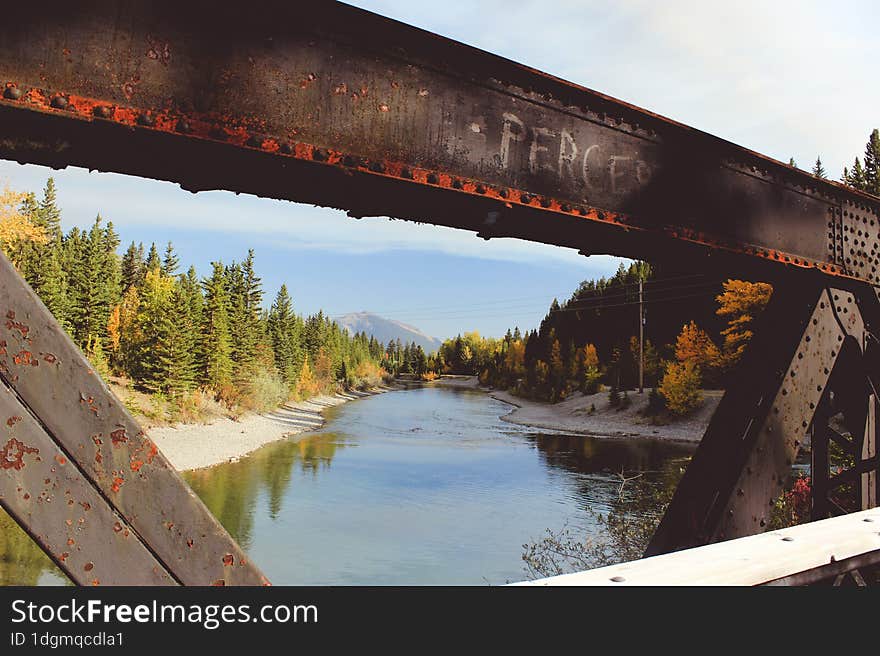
<point x="170" y="262"/>
<point x="216" y="348"/>
<point x="131" y="267"/>
<point x="31" y="254"/>
<point x="153" y="261"/>
<point x="53" y="286"/>
<point x="191" y="292"/>
<point x="281" y="332"/>
<point x="791" y="162"/>
<point x="50" y="215"/>
<point x="92" y="287"/>
<point x="142" y="265"/>
<point x="157" y="348"/>
<point x="872" y="164"/>
<point x="857" y="176"/>
<point x="179" y="346"/>
<point x="111" y="270"/>
<point x="818" y="169"/>
<point x="238" y="326"/>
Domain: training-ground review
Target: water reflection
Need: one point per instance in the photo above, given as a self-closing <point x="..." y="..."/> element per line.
<point x="425" y="486"/>
<point x="22" y="562"/>
<point x="230" y="491"/>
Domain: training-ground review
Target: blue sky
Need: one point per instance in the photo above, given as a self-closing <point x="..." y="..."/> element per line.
<point x="784" y="78"/>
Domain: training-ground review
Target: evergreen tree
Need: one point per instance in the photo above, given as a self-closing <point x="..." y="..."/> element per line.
<point x="53" y="286"/>
<point x="158" y="346"/>
<point x="92" y="286"/>
<point x="216" y="348"/>
<point x="170" y="262"/>
<point x="132" y="267"/>
<point x="111" y="269"/>
<point x="857" y="176"/>
<point x="50" y="215"/>
<point x="818" y="169"/>
<point x="153" y="261"/>
<point x="872" y="164"/>
<point x="31" y="263"/>
<point x="191" y="303"/>
<point x="179" y="346"/>
<point x="281" y="332"/>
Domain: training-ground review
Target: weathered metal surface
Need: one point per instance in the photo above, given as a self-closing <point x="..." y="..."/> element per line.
<point x="868" y="480"/>
<point x="329" y="104"/>
<point x="746" y="454"/>
<point x="55" y="382"/>
<point x="43" y="488"/>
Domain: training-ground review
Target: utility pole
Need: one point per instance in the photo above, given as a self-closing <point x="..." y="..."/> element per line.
<point x="641" y="336"/>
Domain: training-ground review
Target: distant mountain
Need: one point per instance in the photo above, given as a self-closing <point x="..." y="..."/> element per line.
<point x="386" y="330"/>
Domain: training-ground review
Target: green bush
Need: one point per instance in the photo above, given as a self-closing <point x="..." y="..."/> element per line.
<point x="656" y="402"/>
<point x="614" y="397"/>
<point x="591" y="383"/>
<point x="263" y="391"/>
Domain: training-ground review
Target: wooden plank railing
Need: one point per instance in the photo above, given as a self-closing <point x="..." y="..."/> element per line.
<point x="808" y="553"/>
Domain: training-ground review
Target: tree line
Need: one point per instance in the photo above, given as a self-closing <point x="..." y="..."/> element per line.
<point x="864" y="174"/>
<point x="591" y="340"/>
<point x="141" y="316"/>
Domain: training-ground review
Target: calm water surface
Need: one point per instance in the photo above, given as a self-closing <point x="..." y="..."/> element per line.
<point x="422" y="486"/>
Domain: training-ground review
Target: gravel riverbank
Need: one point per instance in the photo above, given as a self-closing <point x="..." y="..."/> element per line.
<point x="194" y="446"/>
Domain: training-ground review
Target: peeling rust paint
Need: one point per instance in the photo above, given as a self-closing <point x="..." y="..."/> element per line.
<point x="118" y="437"/>
<point x="13" y="453"/>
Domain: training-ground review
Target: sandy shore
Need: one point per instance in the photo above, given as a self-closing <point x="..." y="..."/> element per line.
<point x="458" y="382"/>
<point x="573" y="416"/>
<point x="194" y="446"/>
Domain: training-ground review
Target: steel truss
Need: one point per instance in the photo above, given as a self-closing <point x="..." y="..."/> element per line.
<point x="809" y="378"/>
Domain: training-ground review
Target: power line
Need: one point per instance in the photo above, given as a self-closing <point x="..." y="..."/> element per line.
<point x="617" y="289"/>
<point x="600" y="300"/>
<point x="587" y="304"/>
<point x="655" y="300"/>
<point x="705" y="294"/>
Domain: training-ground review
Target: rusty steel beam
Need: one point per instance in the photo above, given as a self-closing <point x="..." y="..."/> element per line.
<point x="78" y="473"/>
<point x="332" y="105"/>
<point x="812" y="356"/>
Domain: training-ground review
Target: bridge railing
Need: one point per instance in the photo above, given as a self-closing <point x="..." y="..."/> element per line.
<point x="839" y="550"/>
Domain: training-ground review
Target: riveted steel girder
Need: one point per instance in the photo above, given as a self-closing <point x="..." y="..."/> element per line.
<point x="329" y="104"/>
<point x="810" y="353"/>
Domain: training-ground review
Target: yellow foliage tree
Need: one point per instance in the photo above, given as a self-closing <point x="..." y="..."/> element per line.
<point x="740" y="302"/>
<point x="591" y="357"/>
<point x="323" y="370"/>
<point x="113" y="332"/>
<point x="15" y="228"/>
<point x="307" y="385"/>
<point x="694" y="345"/>
<point x="124" y="332"/>
<point x="681" y="387"/>
<point x="542" y="373"/>
<point x="515" y="359"/>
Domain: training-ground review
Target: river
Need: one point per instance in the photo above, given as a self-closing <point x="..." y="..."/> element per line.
<point x="421" y="486"/>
